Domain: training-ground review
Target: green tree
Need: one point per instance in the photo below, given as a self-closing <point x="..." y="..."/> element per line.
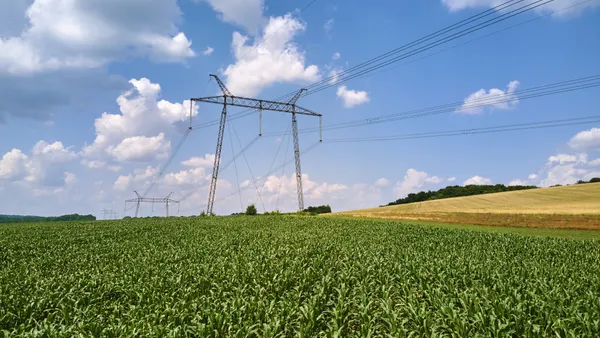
<point x="251" y="210"/>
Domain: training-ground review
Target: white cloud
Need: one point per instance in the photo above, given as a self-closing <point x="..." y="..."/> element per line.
<point x="382" y="182"/>
<point x="140" y="148"/>
<point x="208" y="51"/>
<point x="478" y="180"/>
<point x="456" y="5"/>
<point x="206" y="162"/>
<point x="533" y="176"/>
<point x="54" y="152"/>
<point x="566" y="158"/>
<point x="70" y="178"/>
<point x="433" y="180"/>
<point x="138" y="132"/>
<point x="93" y="164"/>
<point x="413" y="181"/>
<point x="496" y="98"/>
<point x="567" y="169"/>
<point x="517" y="182"/>
<point x="276" y="60"/>
<point x="336" y="56"/>
<point x="244" y="13"/>
<point x="88" y="34"/>
<point x="451" y="179"/>
<point x="13" y="165"/>
<point x="329" y="25"/>
<point x="594" y="163"/>
<point x="587" y="139"/>
<point x="352" y="98"/>
<point x="44" y="166"/>
<point x="122" y="182"/>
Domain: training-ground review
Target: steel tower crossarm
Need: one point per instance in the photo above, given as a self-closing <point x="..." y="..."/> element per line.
<point x="245" y="102"/>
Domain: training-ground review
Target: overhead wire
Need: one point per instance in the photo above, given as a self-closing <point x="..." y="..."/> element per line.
<point x="431" y="45"/>
<point x="237" y="178"/>
<point x="517" y="95"/>
<point x="248" y="164"/>
<point x="472" y="131"/>
<point x="283" y="171"/>
<point x="303" y="152"/>
<point x="327" y="82"/>
<point x="169" y="160"/>
<point x="223" y="167"/>
<point x="273" y="162"/>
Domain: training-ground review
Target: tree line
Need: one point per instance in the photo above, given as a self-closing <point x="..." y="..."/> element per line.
<point x="458" y="191"/>
<point x="28" y="219"/>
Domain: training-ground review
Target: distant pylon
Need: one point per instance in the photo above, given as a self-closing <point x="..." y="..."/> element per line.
<point x="109" y="214"/>
<point x="139" y="199"/>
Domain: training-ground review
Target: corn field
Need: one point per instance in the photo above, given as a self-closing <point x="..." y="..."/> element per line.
<point x="285" y="276"/>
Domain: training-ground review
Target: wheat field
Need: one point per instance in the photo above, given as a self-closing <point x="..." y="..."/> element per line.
<point x="575" y="206"/>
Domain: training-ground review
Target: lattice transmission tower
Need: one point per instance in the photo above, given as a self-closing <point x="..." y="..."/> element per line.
<point x="139" y="199"/>
<point x="228" y="99"/>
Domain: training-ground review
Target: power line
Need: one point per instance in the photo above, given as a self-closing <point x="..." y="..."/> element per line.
<point x="431" y="45"/>
<point x="517" y="95"/>
<point x="273" y="162"/>
<point x="472" y="131"/>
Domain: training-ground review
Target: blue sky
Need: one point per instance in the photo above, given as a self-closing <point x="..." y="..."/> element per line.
<point x="94" y="98"/>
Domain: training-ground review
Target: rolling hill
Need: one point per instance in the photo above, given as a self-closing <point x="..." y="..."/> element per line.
<point x="575" y="206"/>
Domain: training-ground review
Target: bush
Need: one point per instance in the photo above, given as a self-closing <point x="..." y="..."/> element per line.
<point x="251" y="210"/>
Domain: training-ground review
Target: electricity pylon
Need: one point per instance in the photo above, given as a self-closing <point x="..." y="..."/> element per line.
<point x="228" y="99"/>
<point x="141" y="199"/>
<point x="109" y="214"/>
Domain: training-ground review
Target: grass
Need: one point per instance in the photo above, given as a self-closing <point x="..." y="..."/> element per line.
<point x="569" y="207"/>
<point x="281" y="276"/>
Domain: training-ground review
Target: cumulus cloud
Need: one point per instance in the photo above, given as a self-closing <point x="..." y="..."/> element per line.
<point x="87" y="34"/>
<point x="587" y="139"/>
<point x="457" y="5"/>
<point x="517" y="182"/>
<point x="140" y="148"/>
<point x="245" y="13"/>
<point x="382" y="182"/>
<point x="13" y="165"/>
<point x="413" y="181"/>
<point x="336" y="56"/>
<point x="205" y="162"/>
<point x="276" y="60"/>
<point x="533" y="176"/>
<point x="44" y="166"/>
<point x="208" y="51"/>
<point x="137" y="133"/>
<point x="494" y="98"/>
<point x="478" y="180"/>
<point x="567" y="169"/>
<point x="352" y="98"/>
<point x="70" y="178"/>
<point x="329" y="25"/>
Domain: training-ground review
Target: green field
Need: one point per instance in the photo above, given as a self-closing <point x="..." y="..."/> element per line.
<point x="285" y="276"/>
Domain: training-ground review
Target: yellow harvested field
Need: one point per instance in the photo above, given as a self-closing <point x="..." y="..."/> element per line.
<point x="575" y="206"/>
<point x="575" y="199"/>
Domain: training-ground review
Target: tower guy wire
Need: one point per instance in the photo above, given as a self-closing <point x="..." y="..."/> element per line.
<point x="139" y="199"/>
<point x="228" y="99"/>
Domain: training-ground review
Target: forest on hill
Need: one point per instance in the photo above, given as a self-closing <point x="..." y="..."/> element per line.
<point x="458" y="191"/>
<point x="29" y="219"/>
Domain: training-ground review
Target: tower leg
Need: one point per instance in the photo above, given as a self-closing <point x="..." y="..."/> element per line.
<point x="298" y="168"/>
<point x="137" y="208"/>
<point x="215" y="174"/>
